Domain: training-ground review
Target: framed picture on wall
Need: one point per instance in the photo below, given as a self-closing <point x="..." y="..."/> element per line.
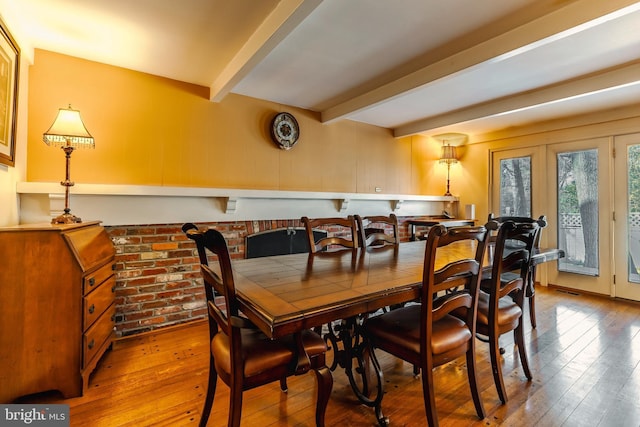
<point x="9" y="72"/>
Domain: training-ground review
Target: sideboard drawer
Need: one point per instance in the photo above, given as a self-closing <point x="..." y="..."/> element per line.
<point x="99" y="333"/>
<point x="93" y="280"/>
<point x="98" y="301"/>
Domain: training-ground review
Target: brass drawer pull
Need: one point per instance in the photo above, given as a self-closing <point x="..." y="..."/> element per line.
<point x="92" y="308"/>
<point x="91" y="344"/>
<point x="92" y="281"/>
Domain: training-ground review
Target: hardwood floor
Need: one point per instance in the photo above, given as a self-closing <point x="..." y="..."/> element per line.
<point x="584" y="356"/>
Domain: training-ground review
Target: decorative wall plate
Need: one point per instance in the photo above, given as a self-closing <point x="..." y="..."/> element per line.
<point x="284" y="130"/>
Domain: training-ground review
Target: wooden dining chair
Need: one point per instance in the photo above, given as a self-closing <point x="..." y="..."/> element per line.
<point x="428" y="335"/>
<point x="241" y="355"/>
<point x="341" y="240"/>
<point x="378" y="230"/>
<point x="530" y="283"/>
<point x="343" y="234"/>
<point x="500" y="301"/>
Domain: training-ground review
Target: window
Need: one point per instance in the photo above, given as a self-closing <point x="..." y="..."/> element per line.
<point x="578" y="211"/>
<point x="515" y="187"/>
<point x="633" y="195"/>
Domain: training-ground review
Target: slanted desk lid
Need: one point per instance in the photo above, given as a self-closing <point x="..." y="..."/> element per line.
<point x="91" y="246"/>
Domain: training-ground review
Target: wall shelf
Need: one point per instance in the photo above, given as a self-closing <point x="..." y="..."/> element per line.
<point x="135" y="204"/>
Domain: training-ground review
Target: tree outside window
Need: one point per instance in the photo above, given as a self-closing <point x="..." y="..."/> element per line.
<point x="515" y="187"/>
<point x="578" y="211"/>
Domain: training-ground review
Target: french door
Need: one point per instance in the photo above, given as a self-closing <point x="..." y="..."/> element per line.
<point x="570" y="183"/>
<point x="515" y="185"/>
<point x="519" y="188"/>
<point x="579" y="201"/>
<point x="627" y="216"/>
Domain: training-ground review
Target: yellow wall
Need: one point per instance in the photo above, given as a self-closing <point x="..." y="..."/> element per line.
<point x="469" y="178"/>
<point x="155" y="131"/>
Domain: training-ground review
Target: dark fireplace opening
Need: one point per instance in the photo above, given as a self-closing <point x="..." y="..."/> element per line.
<point x="279" y="241"/>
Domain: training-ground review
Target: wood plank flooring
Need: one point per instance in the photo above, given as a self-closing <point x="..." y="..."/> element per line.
<point x="584" y="356"/>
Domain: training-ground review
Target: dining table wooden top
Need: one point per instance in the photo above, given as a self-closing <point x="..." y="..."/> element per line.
<point x="288" y="293"/>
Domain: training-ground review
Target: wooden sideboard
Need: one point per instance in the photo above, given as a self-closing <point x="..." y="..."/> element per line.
<point x="57" y="306"/>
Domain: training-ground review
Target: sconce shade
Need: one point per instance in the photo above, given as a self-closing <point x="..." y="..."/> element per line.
<point x="68" y="129"/>
<point x="448" y="155"/>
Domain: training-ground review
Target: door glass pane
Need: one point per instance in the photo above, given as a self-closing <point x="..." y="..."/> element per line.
<point x="515" y="187"/>
<point x="633" y="178"/>
<point x="578" y="211"/>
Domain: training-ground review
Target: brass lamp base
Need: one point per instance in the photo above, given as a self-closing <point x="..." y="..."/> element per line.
<point x="66" y="218"/>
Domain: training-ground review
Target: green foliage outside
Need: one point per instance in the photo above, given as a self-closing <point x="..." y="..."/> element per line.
<point x="567" y="191"/>
<point x="568" y="196"/>
<point x="568" y="199"/>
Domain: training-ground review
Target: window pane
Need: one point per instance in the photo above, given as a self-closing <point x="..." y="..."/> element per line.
<point x="515" y="187"/>
<point x="578" y="211"/>
<point x="633" y="179"/>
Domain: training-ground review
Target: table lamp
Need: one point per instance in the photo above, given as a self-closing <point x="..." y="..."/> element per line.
<point x="68" y="132"/>
<point x="448" y="156"/>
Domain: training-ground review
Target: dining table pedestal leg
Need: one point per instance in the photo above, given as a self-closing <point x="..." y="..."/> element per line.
<point x="351" y="353"/>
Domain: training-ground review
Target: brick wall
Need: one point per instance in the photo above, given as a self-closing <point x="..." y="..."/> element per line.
<point x="158" y="273"/>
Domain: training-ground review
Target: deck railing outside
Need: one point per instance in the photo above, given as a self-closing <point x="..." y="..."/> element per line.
<point x="570" y="238"/>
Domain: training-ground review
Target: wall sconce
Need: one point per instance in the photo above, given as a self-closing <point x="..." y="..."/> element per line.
<point x="448" y="156"/>
<point x="68" y="132"/>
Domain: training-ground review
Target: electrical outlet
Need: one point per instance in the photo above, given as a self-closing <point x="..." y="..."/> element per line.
<point x="378" y="189"/>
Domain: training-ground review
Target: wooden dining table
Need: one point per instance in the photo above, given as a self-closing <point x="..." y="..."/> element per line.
<point x="285" y="294"/>
<point x="288" y="293"/>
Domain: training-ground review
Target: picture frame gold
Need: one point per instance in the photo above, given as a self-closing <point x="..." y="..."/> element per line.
<point x="9" y="75"/>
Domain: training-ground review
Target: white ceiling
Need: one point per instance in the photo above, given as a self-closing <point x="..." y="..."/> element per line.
<point x="415" y="66"/>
